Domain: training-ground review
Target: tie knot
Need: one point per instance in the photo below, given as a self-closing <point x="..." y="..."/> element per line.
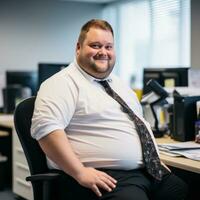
<point x="107" y="87"/>
<point x="104" y="84"/>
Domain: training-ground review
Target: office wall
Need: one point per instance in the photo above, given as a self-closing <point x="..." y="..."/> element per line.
<point x="195" y="34"/>
<point x="40" y="31"/>
<point x="46" y="30"/>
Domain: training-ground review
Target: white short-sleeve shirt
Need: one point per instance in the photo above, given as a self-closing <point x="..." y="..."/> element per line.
<point x="101" y="135"/>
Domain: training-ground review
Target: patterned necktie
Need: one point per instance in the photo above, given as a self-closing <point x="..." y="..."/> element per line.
<point x="150" y="155"/>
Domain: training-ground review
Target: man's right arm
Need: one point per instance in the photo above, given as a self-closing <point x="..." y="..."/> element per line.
<point x="58" y="148"/>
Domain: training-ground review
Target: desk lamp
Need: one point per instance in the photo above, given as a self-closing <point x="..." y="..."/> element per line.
<point x="156" y="97"/>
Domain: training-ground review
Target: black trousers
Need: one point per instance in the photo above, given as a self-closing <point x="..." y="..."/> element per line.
<point x="131" y="185"/>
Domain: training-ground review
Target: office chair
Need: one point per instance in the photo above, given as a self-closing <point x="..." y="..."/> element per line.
<point x="42" y="179"/>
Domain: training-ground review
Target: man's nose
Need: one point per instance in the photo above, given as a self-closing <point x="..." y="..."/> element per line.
<point x="102" y="51"/>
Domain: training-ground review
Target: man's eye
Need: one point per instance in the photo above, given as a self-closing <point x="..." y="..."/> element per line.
<point x="95" y="46"/>
<point x="109" y="47"/>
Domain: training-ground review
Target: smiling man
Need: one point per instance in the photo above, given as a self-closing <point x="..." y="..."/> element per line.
<point x="91" y="137"/>
<point x="95" y="53"/>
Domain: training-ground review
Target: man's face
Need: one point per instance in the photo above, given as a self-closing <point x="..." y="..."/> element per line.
<point x="96" y="54"/>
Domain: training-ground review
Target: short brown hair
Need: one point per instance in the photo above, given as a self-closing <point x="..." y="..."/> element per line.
<point x="94" y="23"/>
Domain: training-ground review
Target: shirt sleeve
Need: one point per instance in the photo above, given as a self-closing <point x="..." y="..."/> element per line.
<point x="54" y="106"/>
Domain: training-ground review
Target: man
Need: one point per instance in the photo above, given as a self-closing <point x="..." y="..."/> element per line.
<point x="85" y="133"/>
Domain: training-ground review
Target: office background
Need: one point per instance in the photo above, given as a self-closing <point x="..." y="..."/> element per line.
<point x="45" y="31"/>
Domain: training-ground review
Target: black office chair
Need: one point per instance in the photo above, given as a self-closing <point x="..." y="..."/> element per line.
<point x="43" y="181"/>
<point x="47" y="184"/>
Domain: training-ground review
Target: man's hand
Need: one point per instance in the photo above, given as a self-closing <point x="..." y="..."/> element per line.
<point x="95" y="179"/>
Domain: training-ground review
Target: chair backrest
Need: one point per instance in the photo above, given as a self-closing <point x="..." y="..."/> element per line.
<point x="22" y="119"/>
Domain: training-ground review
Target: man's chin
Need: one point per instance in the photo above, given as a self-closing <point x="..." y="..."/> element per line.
<point x="103" y="70"/>
<point x="103" y="67"/>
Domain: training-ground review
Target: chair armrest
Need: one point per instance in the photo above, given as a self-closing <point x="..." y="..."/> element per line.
<point x="43" y="177"/>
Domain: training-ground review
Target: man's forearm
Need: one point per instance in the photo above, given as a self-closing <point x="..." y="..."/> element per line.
<point x="57" y="147"/>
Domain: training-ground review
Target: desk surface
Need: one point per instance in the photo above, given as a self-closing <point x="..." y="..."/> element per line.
<point x="7" y="120"/>
<point x="178" y="162"/>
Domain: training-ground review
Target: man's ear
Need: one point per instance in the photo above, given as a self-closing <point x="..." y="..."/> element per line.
<point x="78" y="46"/>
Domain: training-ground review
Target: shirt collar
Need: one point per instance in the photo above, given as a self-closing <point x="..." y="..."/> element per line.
<point x="89" y="77"/>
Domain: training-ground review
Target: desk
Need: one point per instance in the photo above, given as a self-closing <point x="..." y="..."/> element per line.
<point x="6" y="120"/>
<point x="178" y="162"/>
<point x="6" y="150"/>
<point x="187" y="169"/>
<point x="20" y="168"/>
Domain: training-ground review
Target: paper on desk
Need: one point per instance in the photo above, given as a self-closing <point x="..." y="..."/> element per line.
<point x="193" y="154"/>
<point x="187" y="149"/>
<point x="179" y="146"/>
<point x="170" y="154"/>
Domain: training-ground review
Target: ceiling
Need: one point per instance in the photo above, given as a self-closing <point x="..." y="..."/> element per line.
<point x="93" y="1"/>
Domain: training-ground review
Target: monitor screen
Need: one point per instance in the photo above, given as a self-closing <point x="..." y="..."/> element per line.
<point x="23" y="78"/>
<point x="166" y="77"/>
<point x="45" y="70"/>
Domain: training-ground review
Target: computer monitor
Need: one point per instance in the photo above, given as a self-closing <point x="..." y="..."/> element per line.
<point x="45" y="70"/>
<point x="23" y="78"/>
<point x="166" y="77"/>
